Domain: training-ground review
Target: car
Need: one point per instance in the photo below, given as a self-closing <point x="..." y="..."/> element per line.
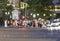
<point x="56" y="23"/>
<point x="55" y="27"/>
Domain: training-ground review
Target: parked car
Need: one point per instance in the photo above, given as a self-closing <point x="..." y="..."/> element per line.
<point x="54" y="27"/>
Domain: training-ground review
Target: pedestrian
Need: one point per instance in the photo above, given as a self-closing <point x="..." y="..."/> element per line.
<point x="14" y="23"/>
<point x="21" y="24"/>
<point x="43" y="23"/>
<point x="33" y="23"/>
<point x="39" y="24"/>
<point x="29" y="24"/>
<point x="5" y="23"/>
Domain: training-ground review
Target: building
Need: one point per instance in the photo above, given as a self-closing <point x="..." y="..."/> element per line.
<point x="57" y="7"/>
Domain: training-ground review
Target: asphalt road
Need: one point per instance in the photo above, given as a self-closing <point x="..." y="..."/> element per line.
<point x="25" y="34"/>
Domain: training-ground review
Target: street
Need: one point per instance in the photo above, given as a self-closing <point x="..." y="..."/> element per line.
<point x="28" y="34"/>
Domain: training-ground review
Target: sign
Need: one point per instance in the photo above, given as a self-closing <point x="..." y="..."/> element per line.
<point x="15" y="14"/>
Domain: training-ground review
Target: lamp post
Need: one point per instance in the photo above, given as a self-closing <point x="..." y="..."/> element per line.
<point x="25" y="7"/>
<point x="6" y="20"/>
<point x="7" y="14"/>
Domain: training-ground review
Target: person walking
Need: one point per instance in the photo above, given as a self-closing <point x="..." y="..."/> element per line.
<point x="5" y="23"/>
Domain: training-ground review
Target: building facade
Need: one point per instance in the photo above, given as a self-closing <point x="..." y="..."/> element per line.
<point x="57" y="7"/>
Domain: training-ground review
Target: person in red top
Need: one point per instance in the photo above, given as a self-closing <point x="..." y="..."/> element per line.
<point x="21" y="24"/>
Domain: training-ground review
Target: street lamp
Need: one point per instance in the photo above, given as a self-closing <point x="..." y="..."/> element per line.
<point x="54" y="14"/>
<point x="6" y="21"/>
<point x="37" y="14"/>
<point x="7" y="14"/>
<point x="44" y="14"/>
<point x="8" y="4"/>
<point x="34" y="16"/>
<point x="31" y="14"/>
<point x="25" y="7"/>
<point x="13" y="5"/>
<point x="50" y="14"/>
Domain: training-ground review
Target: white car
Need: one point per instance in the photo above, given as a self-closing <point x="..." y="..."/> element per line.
<point x="53" y="28"/>
<point x="56" y="23"/>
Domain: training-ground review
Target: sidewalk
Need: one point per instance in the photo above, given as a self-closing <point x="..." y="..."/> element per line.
<point x="16" y="28"/>
<point x="8" y="28"/>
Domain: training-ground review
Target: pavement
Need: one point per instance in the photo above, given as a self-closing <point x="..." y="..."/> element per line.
<point x="28" y="34"/>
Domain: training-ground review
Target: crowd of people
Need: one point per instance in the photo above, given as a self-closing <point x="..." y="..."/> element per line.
<point x="28" y="23"/>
